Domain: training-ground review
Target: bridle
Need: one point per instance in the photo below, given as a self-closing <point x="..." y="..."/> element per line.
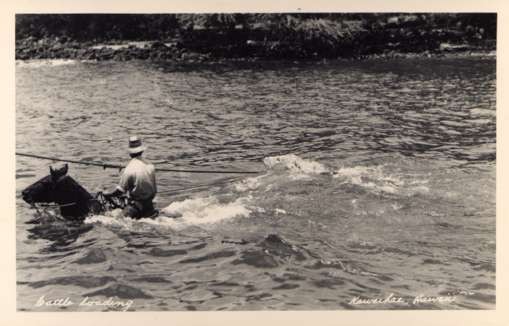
<point x="42" y="208"/>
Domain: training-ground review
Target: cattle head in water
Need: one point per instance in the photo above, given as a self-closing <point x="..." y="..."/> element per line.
<point x="74" y="201"/>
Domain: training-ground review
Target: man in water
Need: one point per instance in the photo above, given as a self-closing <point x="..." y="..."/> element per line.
<point x="138" y="182"/>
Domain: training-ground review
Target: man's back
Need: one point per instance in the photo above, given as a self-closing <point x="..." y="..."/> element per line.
<point x="138" y="179"/>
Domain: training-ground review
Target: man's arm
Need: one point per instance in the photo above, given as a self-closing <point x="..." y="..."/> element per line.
<point x="116" y="192"/>
<point x="123" y="187"/>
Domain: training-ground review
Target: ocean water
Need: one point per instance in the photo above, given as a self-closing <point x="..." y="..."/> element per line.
<point x="377" y="180"/>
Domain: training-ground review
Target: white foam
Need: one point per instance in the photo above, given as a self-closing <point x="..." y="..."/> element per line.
<point x="113" y="218"/>
<point x="377" y="180"/>
<point x="208" y="209"/>
<point x="483" y="112"/>
<point x="372" y="178"/>
<point x="296" y="165"/>
<point x="44" y="62"/>
<point x="195" y="211"/>
<point x="198" y="211"/>
<point x="248" y="184"/>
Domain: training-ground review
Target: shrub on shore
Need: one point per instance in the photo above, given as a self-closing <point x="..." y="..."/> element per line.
<point x="273" y="36"/>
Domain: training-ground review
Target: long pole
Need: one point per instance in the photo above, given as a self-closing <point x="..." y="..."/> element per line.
<point x="117" y="166"/>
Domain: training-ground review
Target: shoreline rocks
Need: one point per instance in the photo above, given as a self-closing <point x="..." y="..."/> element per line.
<point x="61" y="48"/>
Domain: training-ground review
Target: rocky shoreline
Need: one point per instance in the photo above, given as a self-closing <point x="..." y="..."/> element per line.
<point x="58" y="48"/>
<point x="61" y="48"/>
<point x="250" y="37"/>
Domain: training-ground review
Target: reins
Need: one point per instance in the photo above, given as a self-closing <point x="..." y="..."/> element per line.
<point x="46" y="205"/>
<point x="40" y="208"/>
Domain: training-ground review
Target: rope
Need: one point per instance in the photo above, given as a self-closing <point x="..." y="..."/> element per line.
<point x="118" y="166"/>
<point x="46" y="207"/>
<point x="56" y="205"/>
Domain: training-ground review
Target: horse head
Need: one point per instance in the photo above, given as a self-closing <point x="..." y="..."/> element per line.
<point x="60" y="188"/>
<point x="43" y="190"/>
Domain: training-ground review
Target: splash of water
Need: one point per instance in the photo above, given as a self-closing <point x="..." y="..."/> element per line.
<point x="180" y="214"/>
<point x="298" y="167"/>
<point x="208" y="209"/>
<point x="377" y="180"/>
<point x="248" y="184"/>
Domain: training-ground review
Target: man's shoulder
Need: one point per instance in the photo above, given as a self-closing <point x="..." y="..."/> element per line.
<point x="137" y="163"/>
<point x="132" y="163"/>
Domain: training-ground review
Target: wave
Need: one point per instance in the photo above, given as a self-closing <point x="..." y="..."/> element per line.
<point x="483" y="112"/>
<point x="181" y="214"/>
<point x="376" y="180"/>
<point x="208" y="210"/>
<point x="285" y="166"/>
<point x="298" y="167"/>
<point x="248" y="184"/>
<point x="254" y="195"/>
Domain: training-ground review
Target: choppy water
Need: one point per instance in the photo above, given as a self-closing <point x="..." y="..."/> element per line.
<point x="378" y="178"/>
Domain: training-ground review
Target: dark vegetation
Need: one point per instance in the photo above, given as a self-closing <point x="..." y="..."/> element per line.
<point x="270" y="36"/>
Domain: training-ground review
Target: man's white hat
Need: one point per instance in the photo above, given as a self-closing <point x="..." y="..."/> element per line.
<point x="135" y="145"/>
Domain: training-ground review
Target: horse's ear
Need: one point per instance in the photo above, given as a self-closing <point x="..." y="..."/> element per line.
<point x="58" y="172"/>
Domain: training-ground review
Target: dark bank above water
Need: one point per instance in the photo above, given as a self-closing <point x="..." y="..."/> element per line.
<point x="213" y="37"/>
<point x="158" y="51"/>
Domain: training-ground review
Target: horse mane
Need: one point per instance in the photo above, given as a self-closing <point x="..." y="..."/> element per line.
<point x="78" y="190"/>
<point x="75" y="199"/>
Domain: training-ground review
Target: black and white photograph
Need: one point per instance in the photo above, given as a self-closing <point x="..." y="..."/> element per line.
<point x="255" y="161"/>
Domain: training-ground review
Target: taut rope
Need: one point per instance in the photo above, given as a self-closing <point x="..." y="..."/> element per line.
<point x="118" y="166"/>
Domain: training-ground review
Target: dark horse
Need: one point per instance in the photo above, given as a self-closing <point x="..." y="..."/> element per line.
<point x="74" y="201"/>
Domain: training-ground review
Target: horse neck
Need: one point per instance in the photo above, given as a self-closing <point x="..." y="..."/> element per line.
<point x="73" y="198"/>
<point x="69" y="189"/>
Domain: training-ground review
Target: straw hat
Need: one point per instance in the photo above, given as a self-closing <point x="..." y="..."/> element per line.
<point x="135" y="145"/>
